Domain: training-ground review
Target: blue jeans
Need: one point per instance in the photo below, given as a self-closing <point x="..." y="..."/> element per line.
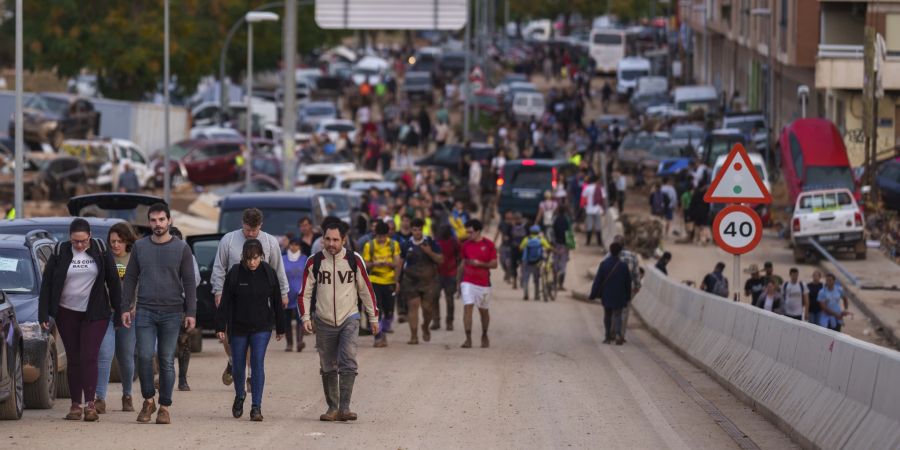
<point x="159" y="330"/>
<point x="121" y="343"/>
<point x="257" y="342"/>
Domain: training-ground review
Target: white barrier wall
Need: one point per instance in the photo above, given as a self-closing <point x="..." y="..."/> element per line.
<point x="826" y="389"/>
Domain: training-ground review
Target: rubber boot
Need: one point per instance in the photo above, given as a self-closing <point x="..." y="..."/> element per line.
<point x="184" y="360"/>
<point x="332" y="396"/>
<point x="588" y="241"/>
<point x="562" y="282"/>
<point x="347" y="380"/>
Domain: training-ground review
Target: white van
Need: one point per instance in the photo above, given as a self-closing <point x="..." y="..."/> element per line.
<point x="691" y="98"/>
<point x="526" y="105"/>
<point x="606" y="48"/>
<point x="100" y="155"/>
<point x="627" y="73"/>
<point x="538" y="30"/>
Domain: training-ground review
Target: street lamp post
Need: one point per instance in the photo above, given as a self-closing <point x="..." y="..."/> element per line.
<point x="251" y="18"/>
<point x="167" y="171"/>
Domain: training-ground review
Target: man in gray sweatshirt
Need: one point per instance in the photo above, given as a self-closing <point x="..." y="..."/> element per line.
<point x="161" y="272"/>
<point x="229" y="253"/>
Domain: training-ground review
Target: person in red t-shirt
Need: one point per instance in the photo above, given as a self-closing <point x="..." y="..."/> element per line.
<point x="447" y="271"/>
<point x="479" y="256"/>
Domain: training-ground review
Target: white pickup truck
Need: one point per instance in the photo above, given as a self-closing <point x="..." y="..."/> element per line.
<point x="832" y="218"/>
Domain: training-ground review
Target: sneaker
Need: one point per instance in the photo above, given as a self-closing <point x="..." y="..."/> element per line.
<point x="237" y="409"/>
<point x="100" y="406"/>
<point x="162" y="417"/>
<point x="146" y="411"/>
<point x="90" y="414"/>
<point x="75" y="413"/>
<point x="126" y="403"/>
<point x="226" y="375"/>
<point x="256" y="414"/>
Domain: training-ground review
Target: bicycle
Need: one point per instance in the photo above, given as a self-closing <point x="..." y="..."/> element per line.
<point x="549" y="286"/>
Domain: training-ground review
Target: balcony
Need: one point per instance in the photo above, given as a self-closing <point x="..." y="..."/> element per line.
<point x="840" y="66"/>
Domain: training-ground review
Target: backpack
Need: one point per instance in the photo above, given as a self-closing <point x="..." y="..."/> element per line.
<point x="351" y="260"/>
<point x="720" y="288"/>
<point x="534" y="251"/>
<point x="658" y="202"/>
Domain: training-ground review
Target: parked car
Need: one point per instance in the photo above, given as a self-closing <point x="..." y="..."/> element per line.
<point x="314" y="171"/>
<point x="832" y="218"/>
<point x="694" y="98"/>
<point x="334" y="127"/>
<point x="212" y="132"/>
<point x="524" y="182"/>
<point x="451" y="64"/>
<point x="813" y="156"/>
<point x="635" y="147"/>
<point x="687" y="135"/>
<point x="44" y="362"/>
<point x="451" y="156"/>
<point x="888" y="181"/>
<point x="53" y="117"/>
<point x="46" y="176"/>
<point x="200" y="161"/>
<point x="487" y="101"/>
<point x="344" y="179"/>
<point x="628" y="70"/>
<point x="720" y="142"/>
<point x="314" y="112"/>
<point x="341" y="203"/>
<point x="100" y="156"/>
<point x="418" y="87"/>
<point x="12" y="379"/>
<point x="664" y="150"/>
<point x="753" y="125"/>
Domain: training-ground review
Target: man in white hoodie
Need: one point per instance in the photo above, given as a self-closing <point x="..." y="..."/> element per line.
<point x="336" y="280"/>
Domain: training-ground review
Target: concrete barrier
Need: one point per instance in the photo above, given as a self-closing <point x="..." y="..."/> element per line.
<point x="825" y="389"/>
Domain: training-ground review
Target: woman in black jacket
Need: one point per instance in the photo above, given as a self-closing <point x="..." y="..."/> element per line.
<point x="78" y="282"/>
<point x="250" y="308"/>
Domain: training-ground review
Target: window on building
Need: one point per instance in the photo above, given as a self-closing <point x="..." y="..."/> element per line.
<point x="783" y="26"/>
<point x="745" y="17"/>
<point x="892" y="34"/>
<point x="725" y="13"/>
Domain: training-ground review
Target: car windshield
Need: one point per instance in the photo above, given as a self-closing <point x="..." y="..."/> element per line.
<point x="638" y="141"/>
<point x="16" y="274"/>
<point x="319" y="110"/>
<point x="339" y="127"/>
<point x="720" y="147"/>
<point x="832" y="176"/>
<point x="607" y="39"/>
<point x="629" y="75"/>
<point x="746" y="125"/>
<point x="536" y="179"/>
<point x="825" y="201"/>
<point x="336" y="204"/>
<point x="177" y="151"/>
<point x="278" y="222"/>
<point x="53" y="105"/>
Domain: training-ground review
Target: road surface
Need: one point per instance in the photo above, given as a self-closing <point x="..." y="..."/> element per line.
<point x="546" y="382"/>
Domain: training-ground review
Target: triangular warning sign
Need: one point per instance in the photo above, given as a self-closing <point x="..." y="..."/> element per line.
<point x="737" y="181"/>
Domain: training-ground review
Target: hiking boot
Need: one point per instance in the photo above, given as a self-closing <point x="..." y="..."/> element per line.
<point x="90" y="414"/>
<point x="126" y="403"/>
<point x="226" y="375"/>
<point x="146" y="411"/>
<point x="332" y="396"/>
<point x="162" y="417"/>
<point x="184" y="361"/>
<point x="237" y="409"/>
<point x="426" y="333"/>
<point x="256" y="414"/>
<point x="100" y="406"/>
<point x="347" y="380"/>
<point x="75" y="413"/>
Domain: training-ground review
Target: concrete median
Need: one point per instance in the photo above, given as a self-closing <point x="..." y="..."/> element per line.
<point x="825" y="389"/>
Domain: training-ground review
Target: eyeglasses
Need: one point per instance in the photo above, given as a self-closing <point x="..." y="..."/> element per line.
<point x="81" y="241"/>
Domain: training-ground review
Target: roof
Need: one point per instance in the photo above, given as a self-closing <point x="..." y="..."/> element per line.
<point x="821" y="141"/>
<point x="284" y="200"/>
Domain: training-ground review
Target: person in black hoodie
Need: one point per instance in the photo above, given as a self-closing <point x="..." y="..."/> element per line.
<point x="250" y="308"/>
<point x="78" y="284"/>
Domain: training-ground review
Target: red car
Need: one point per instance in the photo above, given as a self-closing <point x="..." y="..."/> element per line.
<point x="813" y="156"/>
<point x="206" y="161"/>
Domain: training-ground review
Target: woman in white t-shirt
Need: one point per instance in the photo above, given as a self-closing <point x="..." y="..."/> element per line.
<point x="79" y="284"/>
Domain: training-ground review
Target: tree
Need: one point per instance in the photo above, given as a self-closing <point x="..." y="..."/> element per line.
<point x="122" y="41"/>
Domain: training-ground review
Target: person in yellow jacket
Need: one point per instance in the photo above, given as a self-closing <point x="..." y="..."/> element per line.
<point x="382" y="256"/>
<point x="534" y="249"/>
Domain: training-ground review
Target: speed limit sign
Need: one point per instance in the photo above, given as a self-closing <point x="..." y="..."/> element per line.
<point x="737" y="229"/>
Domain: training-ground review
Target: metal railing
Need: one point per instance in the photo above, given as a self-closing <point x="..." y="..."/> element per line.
<point x="840" y="51"/>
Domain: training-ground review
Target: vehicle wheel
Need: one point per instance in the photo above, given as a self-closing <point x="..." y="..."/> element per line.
<point x="62" y="385"/>
<point x="56" y="139"/>
<point x="13" y="407"/>
<point x="799" y="255"/>
<point x="196" y="341"/>
<point x="860" y="250"/>
<point x="42" y="393"/>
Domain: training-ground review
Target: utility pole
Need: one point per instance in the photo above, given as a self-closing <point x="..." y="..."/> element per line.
<point x="468" y="67"/>
<point x="289" y="112"/>
<point x="19" y="157"/>
<point x="167" y="171"/>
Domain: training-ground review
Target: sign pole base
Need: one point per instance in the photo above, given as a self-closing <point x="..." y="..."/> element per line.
<point x="737" y="278"/>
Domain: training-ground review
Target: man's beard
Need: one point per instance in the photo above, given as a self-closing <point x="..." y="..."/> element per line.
<point x="159" y="231"/>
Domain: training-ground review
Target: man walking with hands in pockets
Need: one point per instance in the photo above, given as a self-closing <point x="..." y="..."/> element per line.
<point x="336" y="281"/>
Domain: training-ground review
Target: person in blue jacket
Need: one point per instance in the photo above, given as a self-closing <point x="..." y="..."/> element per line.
<point x="294" y="263"/>
<point x="613" y="286"/>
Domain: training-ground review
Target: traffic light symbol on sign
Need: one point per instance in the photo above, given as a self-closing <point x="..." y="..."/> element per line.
<point x="737" y="181"/>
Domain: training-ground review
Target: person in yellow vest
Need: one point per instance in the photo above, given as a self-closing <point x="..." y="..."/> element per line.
<point x="382" y="257"/>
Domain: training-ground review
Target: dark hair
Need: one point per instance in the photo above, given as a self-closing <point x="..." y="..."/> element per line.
<point x="294" y="241"/>
<point x="252" y="248"/>
<point x="417" y="223"/>
<point x="381" y="228"/>
<point x="125" y="232"/>
<point x="615" y="248"/>
<point x="474" y="224"/>
<point x="830" y="275"/>
<point x="720" y="266"/>
<point x="159" y="207"/>
<point x="304" y="219"/>
<point x="252" y="217"/>
<point x="175" y="232"/>
<point x="793" y="270"/>
<point x="79" y="225"/>
<point x="666" y="256"/>
<point x="335" y="224"/>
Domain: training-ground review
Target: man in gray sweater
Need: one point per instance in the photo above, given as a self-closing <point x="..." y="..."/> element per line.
<point x="229" y="253"/>
<point x="161" y="272"/>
